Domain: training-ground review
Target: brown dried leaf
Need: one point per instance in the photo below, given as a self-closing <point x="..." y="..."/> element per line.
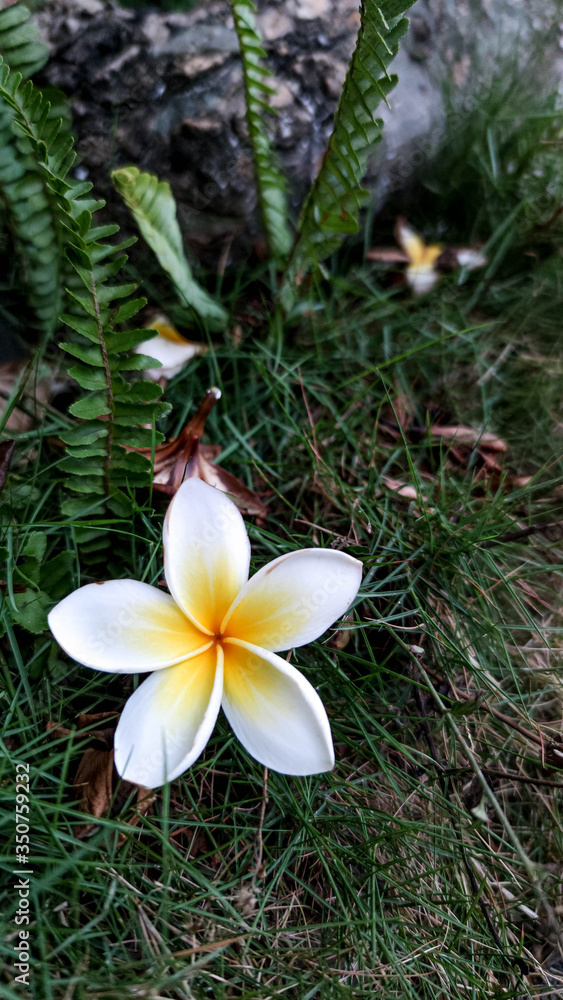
<point x="469" y="435"/>
<point x="96" y="781"/>
<point x="342" y="637"/>
<point x="406" y="490"/>
<point x="388" y="255"/>
<point x="184" y="457"/>
<point x="246" y="499"/>
<point x="403" y="408"/>
<point x="6" y="451"/>
<point x="34" y="394"/>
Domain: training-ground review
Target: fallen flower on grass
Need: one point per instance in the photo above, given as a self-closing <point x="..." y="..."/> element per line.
<point x="211" y="642"/>
<point x="170" y="348"/>
<point x="426" y="262"/>
<point x="185" y="457"/>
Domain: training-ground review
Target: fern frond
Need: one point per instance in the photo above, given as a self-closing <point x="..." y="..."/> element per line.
<point x="153" y="207"/>
<point x="112" y="408"/>
<point x="21" y="45"/>
<point x="31" y="221"/>
<point x="333" y="205"/>
<point x="29" y="215"/>
<point x="271" y="184"/>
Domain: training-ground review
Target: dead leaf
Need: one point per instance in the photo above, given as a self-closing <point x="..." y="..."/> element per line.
<point x="35" y="394"/>
<point x="340" y="639"/>
<point x="6" y="451"/>
<point x="388" y="255"/>
<point x="406" y="490"/>
<point x="184" y="457"/>
<point x="246" y="499"/>
<point x="403" y="408"/>
<point x="469" y="435"/>
<point x="96" y="782"/>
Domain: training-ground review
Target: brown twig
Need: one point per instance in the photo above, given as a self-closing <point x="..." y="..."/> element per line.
<point x="259" y="869"/>
<point x="492" y="773"/>
<point x="212" y="946"/>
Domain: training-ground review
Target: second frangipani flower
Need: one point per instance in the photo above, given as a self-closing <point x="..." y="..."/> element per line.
<point x="212" y="642"/>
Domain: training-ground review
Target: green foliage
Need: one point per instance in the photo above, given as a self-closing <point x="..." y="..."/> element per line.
<point x="21" y="45"/>
<point x="153" y="207"/>
<point x="35" y="582"/>
<point x="332" y="207"/>
<point x="394" y="875"/>
<point x="271" y="184"/>
<point x="27" y="208"/>
<point x="111" y="405"/>
<point x="30" y="219"/>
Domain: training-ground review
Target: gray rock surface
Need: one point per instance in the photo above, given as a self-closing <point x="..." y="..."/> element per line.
<point x="164" y="91"/>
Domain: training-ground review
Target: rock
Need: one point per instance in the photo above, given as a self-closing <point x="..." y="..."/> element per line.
<point x="201" y="64"/>
<point x="165" y="91"/>
<point x="308" y="10"/>
<point x="200" y="38"/>
<point x="156" y="32"/>
<point x="274" y="24"/>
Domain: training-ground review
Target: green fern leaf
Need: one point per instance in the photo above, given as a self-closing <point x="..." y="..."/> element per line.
<point x="333" y="205"/>
<point x="21" y="45"/>
<point x="30" y="213"/>
<point x="271" y="184"/>
<point x="97" y="460"/>
<point x="152" y="205"/>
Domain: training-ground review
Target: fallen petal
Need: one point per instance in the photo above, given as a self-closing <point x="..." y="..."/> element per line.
<point x="170" y="348"/>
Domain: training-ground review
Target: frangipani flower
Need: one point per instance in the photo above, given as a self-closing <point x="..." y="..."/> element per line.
<point x="170" y="348"/>
<point x="212" y="642"/>
<point x="426" y="262"/>
<point x="421" y="271"/>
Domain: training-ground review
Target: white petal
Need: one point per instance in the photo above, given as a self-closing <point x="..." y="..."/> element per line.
<point x="409" y="240"/>
<point x="471" y="259"/>
<point x="276" y="714"/>
<point x="206" y="552"/>
<point x="124" y="626"/>
<point x="294" y="599"/>
<point x="422" y="278"/>
<point x="167" y="722"/>
<point x="173" y="356"/>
